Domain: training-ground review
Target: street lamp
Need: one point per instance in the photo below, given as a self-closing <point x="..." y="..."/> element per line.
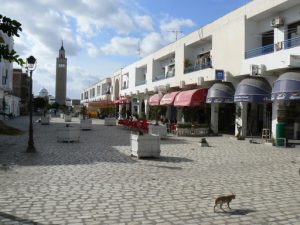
<point x="107" y="94"/>
<point x="30" y="65"/>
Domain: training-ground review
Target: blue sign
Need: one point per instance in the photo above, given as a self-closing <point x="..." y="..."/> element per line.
<point x="219" y="74"/>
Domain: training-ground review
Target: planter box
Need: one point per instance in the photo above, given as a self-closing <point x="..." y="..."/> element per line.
<point x="160" y="130"/>
<point x="86" y="124"/>
<point x="110" y="121"/>
<point x="68" y="118"/>
<point x="62" y="115"/>
<point x="145" y="145"/>
<point x="68" y="134"/>
<point x="192" y="132"/>
<point x="45" y="120"/>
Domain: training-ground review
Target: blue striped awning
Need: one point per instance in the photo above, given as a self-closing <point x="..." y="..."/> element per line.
<point x="286" y="87"/>
<point x="220" y="93"/>
<point x="253" y="90"/>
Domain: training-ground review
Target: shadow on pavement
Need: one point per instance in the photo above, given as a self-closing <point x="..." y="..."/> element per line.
<point x="17" y="219"/>
<point x="239" y="212"/>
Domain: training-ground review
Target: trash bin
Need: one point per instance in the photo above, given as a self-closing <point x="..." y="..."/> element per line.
<point x="280" y="134"/>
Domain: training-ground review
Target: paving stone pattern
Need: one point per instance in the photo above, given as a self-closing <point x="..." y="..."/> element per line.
<point x="96" y="181"/>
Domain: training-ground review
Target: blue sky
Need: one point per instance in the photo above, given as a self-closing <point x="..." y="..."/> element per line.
<point x="101" y="36"/>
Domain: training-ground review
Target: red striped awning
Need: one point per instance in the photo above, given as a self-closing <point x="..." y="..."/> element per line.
<point x="191" y="98"/>
<point x="168" y="99"/>
<point x="154" y="100"/>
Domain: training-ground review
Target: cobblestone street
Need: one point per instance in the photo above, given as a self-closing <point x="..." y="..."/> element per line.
<point x="96" y="181"/>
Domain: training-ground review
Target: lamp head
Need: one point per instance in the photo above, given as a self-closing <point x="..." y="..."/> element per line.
<point x="31" y="63"/>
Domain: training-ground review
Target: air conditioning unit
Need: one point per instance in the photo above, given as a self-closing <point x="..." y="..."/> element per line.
<point x="277" y="21"/>
<point x="254" y="70"/>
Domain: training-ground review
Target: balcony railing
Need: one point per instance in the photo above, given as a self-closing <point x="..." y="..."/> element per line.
<point x="267" y="49"/>
<point x="290" y="43"/>
<point x="197" y="67"/>
<point x="140" y="82"/>
<point x="160" y="77"/>
<point x="169" y="74"/>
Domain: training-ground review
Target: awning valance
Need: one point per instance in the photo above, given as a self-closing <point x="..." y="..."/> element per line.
<point x="287" y="87"/>
<point x="121" y="100"/>
<point x="154" y="100"/>
<point x="220" y="93"/>
<point x="101" y="103"/>
<point x="253" y="90"/>
<point x="168" y="99"/>
<point x="191" y="98"/>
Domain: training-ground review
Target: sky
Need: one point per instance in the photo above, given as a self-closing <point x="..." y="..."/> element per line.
<point x="102" y="36"/>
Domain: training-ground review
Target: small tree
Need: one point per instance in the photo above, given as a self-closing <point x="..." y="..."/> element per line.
<point x="11" y="28"/>
<point x="40" y="103"/>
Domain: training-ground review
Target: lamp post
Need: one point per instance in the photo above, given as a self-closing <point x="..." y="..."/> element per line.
<point x="107" y="94"/>
<point x="31" y="65"/>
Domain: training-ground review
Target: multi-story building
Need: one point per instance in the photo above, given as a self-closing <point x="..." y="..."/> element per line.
<point x="21" y="89"/>
<point x="242" y="69"/>
<point x="9" y="103"/>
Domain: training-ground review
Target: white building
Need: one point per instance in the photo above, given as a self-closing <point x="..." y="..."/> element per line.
<point x="8" y="103"/>
<point x="235" y="61"/>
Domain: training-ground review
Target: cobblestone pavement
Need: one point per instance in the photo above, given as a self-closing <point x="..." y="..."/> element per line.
<point x="96" y="181"/>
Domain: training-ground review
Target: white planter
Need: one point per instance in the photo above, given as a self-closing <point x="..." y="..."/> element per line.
<point x="160" y="130"/>
<point x="68" y="134"/>
<point x="86" y="124"/>
<point x="62" y="115"/>
<point x="68" y="118"/>
<point x="145" y="145"/>
<point x="110" y="121"/>
<point x="193" y="132"/>
<point x="45" y="120"/>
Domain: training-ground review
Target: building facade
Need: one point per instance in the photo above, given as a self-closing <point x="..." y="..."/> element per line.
<point x="21" y="89"/>
<point x="9" y="104"/>
<point x="61" y="77"/>
<point x="242" y="69"/>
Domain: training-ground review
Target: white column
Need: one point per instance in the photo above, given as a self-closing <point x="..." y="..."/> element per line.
<point x="168" y="112"/>
<point x="146" y="100"/>
<point x="120" y="111"/>
<point x="179" y="118"/>
<point x="275" y="106"/>
<point x="214" y="117"/>
<point x="241" y="119"/>
<point x="140" y="106"/>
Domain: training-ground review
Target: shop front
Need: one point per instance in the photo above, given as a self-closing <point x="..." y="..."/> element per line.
<point x="252" y="98"/>
<point x="286" y="106"/>
<point x="220" y="96"/>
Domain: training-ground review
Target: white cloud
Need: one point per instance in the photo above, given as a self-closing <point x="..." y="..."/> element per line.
<point x="144" y="22"/>
<point x="151" y="43"/>
<point x="121" y="46"/>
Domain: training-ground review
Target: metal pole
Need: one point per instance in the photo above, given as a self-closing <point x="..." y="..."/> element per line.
<point x="30" y="148"/>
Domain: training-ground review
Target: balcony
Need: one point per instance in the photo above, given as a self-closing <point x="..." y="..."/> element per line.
<point x="140" y="82"/>
<point x="169" y="74"/>
<point x="264" y="50"/>
<point x="201" y="66"/>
